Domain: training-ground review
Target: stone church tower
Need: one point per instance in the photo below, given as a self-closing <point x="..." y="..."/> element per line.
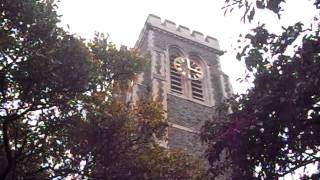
<point x="185" y="75"/>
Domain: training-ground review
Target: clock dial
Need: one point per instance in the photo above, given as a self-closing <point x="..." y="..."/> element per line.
<point x="188" y="67"/>
<point x="196" y="72"/>
<point x="178" y="64"/>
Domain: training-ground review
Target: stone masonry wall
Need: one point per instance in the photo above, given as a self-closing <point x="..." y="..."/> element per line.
<point x="188" y="114"/>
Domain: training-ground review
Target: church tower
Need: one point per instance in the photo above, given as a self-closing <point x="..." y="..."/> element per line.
<point x="185" y="75"/>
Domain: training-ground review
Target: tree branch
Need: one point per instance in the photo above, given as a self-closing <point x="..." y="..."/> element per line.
<point x="6" y="141"/>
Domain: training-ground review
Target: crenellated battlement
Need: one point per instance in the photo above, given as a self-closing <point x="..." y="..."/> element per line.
<point x="182" y="31"/>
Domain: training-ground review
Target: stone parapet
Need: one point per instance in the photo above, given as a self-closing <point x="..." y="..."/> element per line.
<point x="182" y="31"/>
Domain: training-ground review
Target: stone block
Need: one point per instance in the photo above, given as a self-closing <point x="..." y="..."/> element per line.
<point x="170" y="25"/>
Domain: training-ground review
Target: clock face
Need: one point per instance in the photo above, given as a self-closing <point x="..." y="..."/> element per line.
<point x="178" y="64"/>
<point x="196" y="72"/>
<point x="188" y="67"/>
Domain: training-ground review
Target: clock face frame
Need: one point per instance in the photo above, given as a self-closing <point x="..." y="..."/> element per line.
<point x="189" y="68"/>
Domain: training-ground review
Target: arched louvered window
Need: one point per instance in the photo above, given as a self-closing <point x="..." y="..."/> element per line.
<point x="187" y="75"/>
<point x="197" y="78"/>
<point x="176" y="80"/>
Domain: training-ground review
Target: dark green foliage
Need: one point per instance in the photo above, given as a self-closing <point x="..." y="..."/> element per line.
<point x="274" y="128"/>
<point x="42" y="68"/>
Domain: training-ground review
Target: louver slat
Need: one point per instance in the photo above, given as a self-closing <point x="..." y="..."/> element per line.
<point x="197" y="90"/>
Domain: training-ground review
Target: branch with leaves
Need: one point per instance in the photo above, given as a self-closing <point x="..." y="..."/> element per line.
<point x="273" y="129"/>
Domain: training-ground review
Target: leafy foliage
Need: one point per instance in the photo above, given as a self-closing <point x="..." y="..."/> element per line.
<point x="120" y="144"/>
<point x="273" y="128"/>
<point x="42" y="68"/>
<point x="61" y="113"/>
<point x="251" y="6"/>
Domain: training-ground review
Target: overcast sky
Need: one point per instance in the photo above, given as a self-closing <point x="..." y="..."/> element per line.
<point x="124" y="19"/>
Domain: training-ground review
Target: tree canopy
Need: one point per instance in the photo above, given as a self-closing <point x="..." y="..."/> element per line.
<point x="59" y="113"/>
<point x="274" y="128"/>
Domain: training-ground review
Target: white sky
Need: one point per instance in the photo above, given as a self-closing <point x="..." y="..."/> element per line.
<point x="124" y="19"/>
